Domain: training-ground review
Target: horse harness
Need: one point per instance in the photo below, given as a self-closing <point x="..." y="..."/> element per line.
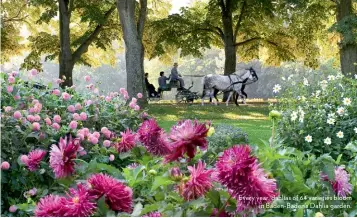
<point x="244" y="82"/>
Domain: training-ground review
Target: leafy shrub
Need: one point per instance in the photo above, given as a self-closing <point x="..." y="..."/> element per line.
<point x="35" y="106"/>
<point x="318" y="116"/>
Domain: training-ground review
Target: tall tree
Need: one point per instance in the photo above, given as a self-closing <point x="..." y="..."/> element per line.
<point x="94" y="18"/>
<point x="346" y="25"/>
<point x="133" y="30"/>
<point x="13" y="16"/>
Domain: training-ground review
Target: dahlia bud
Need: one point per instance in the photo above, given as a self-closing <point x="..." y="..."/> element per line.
<point x="319" y="214"/>
<point x="152" y="172"/>
<point x="176" y="174"/>
<point x="274" y="115"/>
<point x="211" y="131"/>
<point x="185" y="179"/>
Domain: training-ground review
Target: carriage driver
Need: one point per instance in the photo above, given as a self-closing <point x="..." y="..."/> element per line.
<point x="176" y="76"/>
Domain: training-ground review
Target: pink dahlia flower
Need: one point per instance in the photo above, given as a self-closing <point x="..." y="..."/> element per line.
<point x="78" y="106"/>
<point x="340" y="184"/>
<point x="13" y="209"/>
<point x="50" y="206"/>
<point x="9" y="89"/>
<point x="154" y="138"/>
<point x="199" y="182"/>
<point x="7" y="109"/>
<point x="87" y="78"/>
<point x="71" y="108"/>
<point x="36" y="126"/>
<point x="61" y="157"/>
<point x="83" y="116"/>
<point x="139" y="95"/>
<point x="56" y="92"/>
<point x="240" y="172"/>
<point x="57" y="118"/>
<point x="79" y="202"/>
<point x="5" y="165"/>
<point x="33" y="159"/>
<point x="127" y="141"/>
<point x="11" y="79"/>
<point x="106" y="143"/>
<point x="56" y="126"/>
<point x="185" y="137"/>
<point x="73" y="124"/>
<point x="30" y="118"/>
<point x="153" y="214"/>
<point x="17" y="115"/>
<point x="122" y="90"/>
<point x="48" y="121"/>
<point x="137" y="107"/>
<point x="66" y="96"/>
<point x="117" y="195"/>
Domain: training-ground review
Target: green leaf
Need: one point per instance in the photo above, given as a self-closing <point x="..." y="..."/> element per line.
<point x="352" y="146"/>
<point x="149" y="208"/>
<point x="329" y="170"/>
<point x="215" y="198"/>
<point x="161" y="181"/>
<point x="137" y="210"/>
<point x="102" y="206"/>
<point x="339" y="159"/>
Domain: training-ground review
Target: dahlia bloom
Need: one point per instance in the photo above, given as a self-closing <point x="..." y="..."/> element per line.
<point x="117" y="195"/>
<point x="127" y="141"/>
<point x="73" y="124"/>
<point x="154" y="138"/>
<point x="13" y="209"/>
<point x="241" y="174"/>
<point x="185" y="137"/>
<point x="139" y="95"/>
<point x="340" y="184"/>
<point x="83" y="116"/>
<point x="50" y="206"/>
<point x="153" y="214"/>
<point x="71" y="108"/>
<point x="33" y="159"/>
<point x="61" y="157"/>
<point x="5" y="165"/>
<point x="79" y="202"/>
<point x="10" y="89"/>
<point x="17" y="115"/>
<point x="56" y="92"/>
<point x="137" y="107"/>
<point x="199" y="182"/>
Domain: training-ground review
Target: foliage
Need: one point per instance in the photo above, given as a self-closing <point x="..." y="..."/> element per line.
<point x="322" y="106"/>
<point x="18" y="136"/>
<point x="284" y="30"/>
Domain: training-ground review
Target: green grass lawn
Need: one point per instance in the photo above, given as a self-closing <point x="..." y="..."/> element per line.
<point x="252" y="118"/>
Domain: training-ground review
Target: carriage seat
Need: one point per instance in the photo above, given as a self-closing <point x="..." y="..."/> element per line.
<point x="174" y="84"/>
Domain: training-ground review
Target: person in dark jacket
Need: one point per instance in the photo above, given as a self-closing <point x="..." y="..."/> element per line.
<point x="150" y="87"/>
<point x="175" y="76"/>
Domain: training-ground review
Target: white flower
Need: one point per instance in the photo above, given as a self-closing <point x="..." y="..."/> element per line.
<point x="276" y="88"/>
<point x="293" y="83"/>
<point x="308" y="138"/>
<point x="306" y="82"/>
<point x="331" y="77"/>
<point x="302" y="115"/>
<point x="283" y="78"/>
<point x="331" y="121"/>
<point x="294" y="115"/>
<point x="327" y="141"/>
<point x="347" y="101"/>
<point x="355" y="76"/>
<point x="323" y="84"/>
<point x="355" y="129"/>
<point x="318" y="92"/>
<point x="331" y="115"/>
<point x="340" y="111"/>
<point x="339" y="134"/>
<point x="289" y="78"/>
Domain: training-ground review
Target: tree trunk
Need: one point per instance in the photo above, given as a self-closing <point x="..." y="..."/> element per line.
<point x="229" y="41"/>
<point x="134" y="49"/>
<point x="66" y="63"/>
<point x="348" y="52"/>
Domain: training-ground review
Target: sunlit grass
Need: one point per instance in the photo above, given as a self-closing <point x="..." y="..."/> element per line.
<point x="252" y="118"/>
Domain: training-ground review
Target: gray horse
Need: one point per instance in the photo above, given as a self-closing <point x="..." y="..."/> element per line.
<point x="213" y="83"/>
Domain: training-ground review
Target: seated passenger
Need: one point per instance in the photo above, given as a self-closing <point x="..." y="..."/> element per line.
<point x="150" y="87"/>
<point x="176" y="76"/>
<point x="162" y="83"/>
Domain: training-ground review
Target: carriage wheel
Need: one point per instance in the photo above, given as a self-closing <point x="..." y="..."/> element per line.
<point x="180" y="98"/>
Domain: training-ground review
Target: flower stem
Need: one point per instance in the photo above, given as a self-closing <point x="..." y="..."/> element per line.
<point x="272" y="134"/>
<point x="224" y="206"/>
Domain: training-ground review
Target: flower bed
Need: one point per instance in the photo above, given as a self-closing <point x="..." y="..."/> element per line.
<point x="66" y="154"/>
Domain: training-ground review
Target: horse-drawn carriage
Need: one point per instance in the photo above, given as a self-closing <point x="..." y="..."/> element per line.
<point x="182" y="95"/>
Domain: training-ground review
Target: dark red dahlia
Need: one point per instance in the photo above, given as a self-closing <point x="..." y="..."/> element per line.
<point x="199" y="182"/>
<point x="62" y="156"/>
<point x="154" y="138"/>
<point x="340" y="184"/>
<point x="34" y="159"/>
<point x="79" y="202"/>
<point x="50" y="206"/>
<point x="117" y="195"/>
<point x="240" y="172"/>
<point x="185" y="137"/>
<point x="127" y="141"/>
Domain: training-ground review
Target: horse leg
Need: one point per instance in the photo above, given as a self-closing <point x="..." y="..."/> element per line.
<point x="229" y="98"/>
<point x="236" y="97"/>
<point x="215" y="92"/>
<point x="244" y="95"/>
